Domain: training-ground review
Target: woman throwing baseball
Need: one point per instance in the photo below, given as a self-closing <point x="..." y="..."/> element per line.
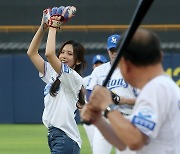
<point x="62" y="93"/>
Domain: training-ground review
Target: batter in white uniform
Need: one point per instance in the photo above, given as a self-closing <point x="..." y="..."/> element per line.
<point x="153" y="126"/>
<point x="155" y="116"/>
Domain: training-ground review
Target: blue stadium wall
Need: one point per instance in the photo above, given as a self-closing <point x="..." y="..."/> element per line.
<point x="21" y="92"/>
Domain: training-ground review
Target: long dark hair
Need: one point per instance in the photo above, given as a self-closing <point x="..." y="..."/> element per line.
<point x="78" y="54"/>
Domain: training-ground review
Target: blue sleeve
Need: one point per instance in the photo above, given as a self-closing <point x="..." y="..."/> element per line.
<point x="88" y="93"/>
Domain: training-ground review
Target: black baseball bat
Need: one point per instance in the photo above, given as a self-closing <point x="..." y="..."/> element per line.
<point x="140" y="11"/>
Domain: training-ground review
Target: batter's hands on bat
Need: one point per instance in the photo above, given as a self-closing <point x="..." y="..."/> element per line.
<point x="100" y="98"/>
<point x="56" y="16"/>
<point x="90" y="114"/>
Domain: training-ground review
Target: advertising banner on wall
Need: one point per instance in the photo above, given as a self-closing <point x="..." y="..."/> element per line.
<point x="171" y="65"/>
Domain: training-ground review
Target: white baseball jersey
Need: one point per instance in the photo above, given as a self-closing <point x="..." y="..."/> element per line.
<point x="60" y="110"/>
<point x="119" y="86"/>
<point x="90" y="129"/>
<point x="116" y="84"/>
<point x="85" y="81"/>
<point x="156" y="114"/>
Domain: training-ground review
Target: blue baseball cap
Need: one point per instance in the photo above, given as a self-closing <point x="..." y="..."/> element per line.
<point x="99" y="58"/>
<point x="112" y="41"/>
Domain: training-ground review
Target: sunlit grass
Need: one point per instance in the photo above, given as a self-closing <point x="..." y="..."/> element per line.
<point x="31" y="139"/>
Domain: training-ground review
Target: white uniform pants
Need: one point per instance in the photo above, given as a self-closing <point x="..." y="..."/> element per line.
<point x="102" y="146"/>
<point x="90" y="129"/>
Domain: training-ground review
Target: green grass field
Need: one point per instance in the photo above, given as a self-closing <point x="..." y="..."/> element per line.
<point x="31" y="139"/>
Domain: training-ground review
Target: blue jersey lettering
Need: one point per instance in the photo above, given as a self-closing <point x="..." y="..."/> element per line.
<point x="114" y="83"/>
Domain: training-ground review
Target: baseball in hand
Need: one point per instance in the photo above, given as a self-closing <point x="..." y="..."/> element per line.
<point x="72" y="11"/>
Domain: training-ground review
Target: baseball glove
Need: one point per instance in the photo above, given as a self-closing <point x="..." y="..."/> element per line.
<point x="56" y="16"/>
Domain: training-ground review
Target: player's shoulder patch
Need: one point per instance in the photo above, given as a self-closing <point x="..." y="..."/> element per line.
<point x="145" y="118"/>
<point x="47" y="88"/>
<point x="66" y="68"/>
<point x="143" y="122"/>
